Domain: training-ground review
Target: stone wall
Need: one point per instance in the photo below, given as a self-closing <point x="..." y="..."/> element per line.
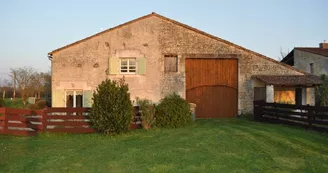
<point x="177" y="39"/>
<point x="75" y="67"/>
<point x="303" y="59"/>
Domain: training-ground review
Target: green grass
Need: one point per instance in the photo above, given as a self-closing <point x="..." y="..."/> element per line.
<point x="225" y="145"/>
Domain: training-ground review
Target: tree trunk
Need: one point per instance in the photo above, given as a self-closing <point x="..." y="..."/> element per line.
<point x="4" y="94"/>
<point x="14" y="95"/>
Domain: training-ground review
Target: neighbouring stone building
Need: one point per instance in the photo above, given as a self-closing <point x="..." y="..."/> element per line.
<point x="313" y="60"/>
<point x="310" y="59"/>
<point x="158" y="56"/>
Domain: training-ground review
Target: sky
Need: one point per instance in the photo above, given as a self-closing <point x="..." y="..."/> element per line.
<point x="31" y="29"/>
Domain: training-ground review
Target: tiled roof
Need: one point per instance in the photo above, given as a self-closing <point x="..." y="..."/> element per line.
<point x="289" y="80"/>
<point x="318" y="51"/>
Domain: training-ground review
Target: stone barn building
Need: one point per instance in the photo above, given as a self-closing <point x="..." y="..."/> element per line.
<point x="158" y="56"/>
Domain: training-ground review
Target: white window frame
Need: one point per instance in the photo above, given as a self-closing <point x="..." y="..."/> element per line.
<point x="74" y="97"/>
<point x="128" y="65"/>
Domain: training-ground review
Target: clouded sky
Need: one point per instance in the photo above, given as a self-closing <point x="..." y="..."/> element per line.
<point x="31" y="29"/>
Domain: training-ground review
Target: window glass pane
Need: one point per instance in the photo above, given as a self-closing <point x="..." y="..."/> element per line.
<point x="132" y="62"/>
<point x="128" y="65"/>
<point x="124" y="62"/>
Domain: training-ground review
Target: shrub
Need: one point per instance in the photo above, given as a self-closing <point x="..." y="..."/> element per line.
<point x="112" y="109"/>
<point x="2" y="103"/>
<point x="172" y="111"/>
<point x="147" y="111"/>
<point x="14" y="103"/>
<point x="41" y="104"/>
<point x="32" y="106"/>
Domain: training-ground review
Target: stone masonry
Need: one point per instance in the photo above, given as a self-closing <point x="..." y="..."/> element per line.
<point x="83" y="65"/>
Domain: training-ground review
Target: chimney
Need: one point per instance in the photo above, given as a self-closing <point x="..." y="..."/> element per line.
<point x="323" y="45"/>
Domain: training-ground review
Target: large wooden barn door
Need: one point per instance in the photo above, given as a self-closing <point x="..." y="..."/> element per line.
<point x="212" y="84"/>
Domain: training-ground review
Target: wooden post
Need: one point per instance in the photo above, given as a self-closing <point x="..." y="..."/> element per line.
<point x="256" y="110"/>
<point x="5" y="126"/>
<point x="44" y="119"/>
<point x="262" y="104"/>
<point x="310" y="115"/>
<point x="258" y="105"/>
<point x="275" y="110"/>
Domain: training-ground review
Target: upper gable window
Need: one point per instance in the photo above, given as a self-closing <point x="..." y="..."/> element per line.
<point x="128" y="66"/>
<point x="170" y="63"/>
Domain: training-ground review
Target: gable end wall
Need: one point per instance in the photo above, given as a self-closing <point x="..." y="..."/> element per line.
<point x="153" y="37"/>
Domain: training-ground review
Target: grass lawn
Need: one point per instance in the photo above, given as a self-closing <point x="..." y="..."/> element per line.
<point x="225" y="145"/>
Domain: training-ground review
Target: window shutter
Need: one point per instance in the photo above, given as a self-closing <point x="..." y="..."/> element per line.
<point x="141" y="62"/>
<point x="58" y="98"/>
<point x="87" y="98"/>
<point x="114" y="65"/>
<point x="171" y="64"/>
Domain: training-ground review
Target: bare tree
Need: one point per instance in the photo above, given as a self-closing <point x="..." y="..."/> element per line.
<point x="282" y="54"/>
<point x="47" y="86"/>
<point x="24" y="80"/>
<point x="38" y="82"/>
<point x="3" y="85"/>
<point x="13" y="75"/>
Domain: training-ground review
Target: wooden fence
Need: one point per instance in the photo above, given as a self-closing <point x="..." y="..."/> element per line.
<point x="25" y="122"/>
<point x="315" y="117"/>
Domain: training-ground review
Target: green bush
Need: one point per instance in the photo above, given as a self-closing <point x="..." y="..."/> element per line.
<point x="14" y="103"/>
<point x="172" y="111"/>
<point x="41" y="104"/>
<point x="32" y="106"/>
<point x="112" y="110"/>
<point x="147" y="111"/>
<point x="2" y="103"/>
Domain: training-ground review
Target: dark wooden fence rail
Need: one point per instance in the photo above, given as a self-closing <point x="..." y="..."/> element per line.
<point x="306" y="115"/>
<point x="25" y="122"/>
<point x="2" y="120"/>
<point x="68" y="120"/>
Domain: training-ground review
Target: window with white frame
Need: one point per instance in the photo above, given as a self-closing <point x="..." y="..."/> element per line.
<point x="128" y="66"/>
<point x="74" y="98"/>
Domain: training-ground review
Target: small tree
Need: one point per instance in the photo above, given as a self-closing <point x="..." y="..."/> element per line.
<point x="112" y="110"/>
<point x="322" y="91"/>
<point x="147" y="111"/>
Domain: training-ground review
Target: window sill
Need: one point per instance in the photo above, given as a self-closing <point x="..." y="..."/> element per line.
<point x="124" y="75"/>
